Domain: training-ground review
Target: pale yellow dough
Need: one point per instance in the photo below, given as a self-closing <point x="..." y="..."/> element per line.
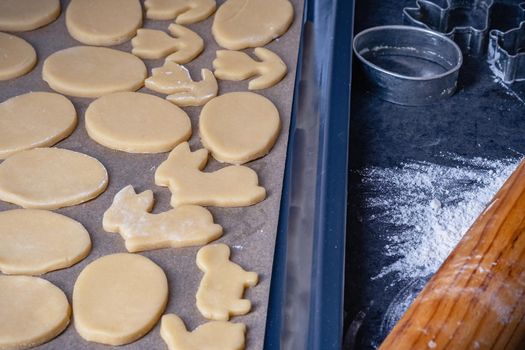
<point x="17" y="56"/>
<point x="33" y="242"/>
<point x="213" y="335"/>
<point x="51" y="178"/>
<point x="118" y="298"/>
<point x="222" y="286"/>
<point x="35" y="119"/>
<point x="86" y="71"/>
<point x="232" y="186"/>
<point x="32" y="312"/>
<point x="175" y="80"/>
<point x="236" y="65"/>
<point x="184" y="226"/>
<point x="239" y="127"/>
<point x="103" y="22"/>
<point x="22" y="15"/>
<point x="137" y="123"/>
<point x="185" y="11"/>
<point x="182" y="47"/>
<point x="239" y="24"/>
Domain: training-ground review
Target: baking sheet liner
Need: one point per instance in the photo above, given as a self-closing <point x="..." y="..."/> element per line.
<point x="250" y="232"/>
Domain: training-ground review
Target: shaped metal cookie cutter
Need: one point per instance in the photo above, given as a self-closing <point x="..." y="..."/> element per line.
<point x="467" y="22"/>
<point x="506" y="54"/>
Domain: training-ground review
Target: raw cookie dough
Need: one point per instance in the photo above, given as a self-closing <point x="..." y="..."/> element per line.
<point x="185" y="11"/>
<point x="118" y="298"/>
<point x="137" y="123"/>
<point x="236" y="65"/>
<point x="51" y="178"/>
<point x="87" y="71"/>
<point x="184" y="226"/>
<point x="22" y="15"/>
<point x="232" y="186"/>
<point x="103" y="22"/>
<point x="213" y="335"/>
<point x="34" y="242"/>
<point x="175" y="80"/>
<point x="222" y="286"/>
<point x="17" y="56"/>
<point x="33" y="311"/>
<point x="239" y="127"/>
<point x="182" y="47"/>
<point x="239" y="24"/>
<point x="35" y="119"/>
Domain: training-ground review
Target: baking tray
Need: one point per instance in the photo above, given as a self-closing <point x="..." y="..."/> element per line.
<point x="250" y="232"/>
<point x="306" y="300"/>
<point x="483" y="119"/>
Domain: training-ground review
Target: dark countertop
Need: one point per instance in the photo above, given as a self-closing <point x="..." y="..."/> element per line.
<point x="482" y="119"/>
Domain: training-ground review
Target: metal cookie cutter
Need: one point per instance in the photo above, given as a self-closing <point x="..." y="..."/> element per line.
<point x="408" y="65"/>
<point x="506" y="54"/>
<point x="467" y="22"/>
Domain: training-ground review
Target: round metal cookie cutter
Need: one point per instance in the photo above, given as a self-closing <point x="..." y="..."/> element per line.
<point x="407" y="65"/>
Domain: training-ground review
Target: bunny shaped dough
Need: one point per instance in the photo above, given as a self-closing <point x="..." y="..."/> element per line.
<point x="184" y="226"/>
<point x="232" y="186"/>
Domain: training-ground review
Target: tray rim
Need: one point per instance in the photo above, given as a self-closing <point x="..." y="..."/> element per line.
<point x="324" y="328"/>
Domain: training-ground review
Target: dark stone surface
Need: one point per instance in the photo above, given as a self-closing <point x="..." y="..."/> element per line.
<point x="483" y="119"/>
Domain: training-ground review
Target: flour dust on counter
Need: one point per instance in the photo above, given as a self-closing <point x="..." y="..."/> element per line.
<point x="429" y="207"/>
<point x="425" y="208"/>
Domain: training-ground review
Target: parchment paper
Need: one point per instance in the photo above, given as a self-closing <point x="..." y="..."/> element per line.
<point x="250" y="232"/>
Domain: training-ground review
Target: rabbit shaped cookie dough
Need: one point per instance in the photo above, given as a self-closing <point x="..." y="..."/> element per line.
<point x="183" y="226"/>
<point x="232" y="186"/>
<point x="209" y="336"/>
<point x="221" y="289"/>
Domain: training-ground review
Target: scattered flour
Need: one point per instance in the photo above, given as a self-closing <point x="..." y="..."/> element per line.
<point x="428" y="207"/>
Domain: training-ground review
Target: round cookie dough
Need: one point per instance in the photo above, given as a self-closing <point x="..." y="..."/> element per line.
<point x="22" y="15"/>
<point x="51" y="178"/>
<point x="34" y="242"/>
<point x="33" y="311"/>
<point x="17" y="56"/>
<point x="137" y="123"/>
<point x="87" y="71"/>
<point x="239" y="127"/>
<point x="118" y="298"/>
<point x="35" y="119"/>
<point x="103" y="22"/>
<point x="239" y="24"/>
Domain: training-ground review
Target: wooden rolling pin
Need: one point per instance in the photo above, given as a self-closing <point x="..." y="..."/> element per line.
<point x="476" y="300"/>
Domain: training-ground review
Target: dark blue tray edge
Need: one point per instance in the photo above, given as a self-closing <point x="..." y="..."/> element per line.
<point x="328" y="43"/>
